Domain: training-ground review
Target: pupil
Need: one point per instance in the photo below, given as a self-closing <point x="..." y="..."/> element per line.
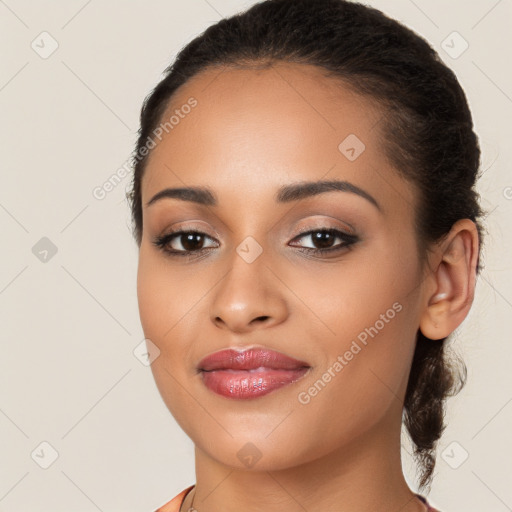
<point x="324" y="239"/>
<point x="191" y="241"/>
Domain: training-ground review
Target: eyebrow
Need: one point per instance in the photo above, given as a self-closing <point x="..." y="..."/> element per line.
<point x="285" y="194"/>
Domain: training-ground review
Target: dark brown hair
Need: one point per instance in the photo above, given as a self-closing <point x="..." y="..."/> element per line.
<point x="427" y="136"/>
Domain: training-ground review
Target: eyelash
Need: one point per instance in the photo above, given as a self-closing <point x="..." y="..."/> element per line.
<point x="162" y="242"/>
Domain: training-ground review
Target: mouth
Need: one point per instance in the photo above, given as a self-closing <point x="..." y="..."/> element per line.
<point x="250" y="359"/>
<point x="249" y="374"/>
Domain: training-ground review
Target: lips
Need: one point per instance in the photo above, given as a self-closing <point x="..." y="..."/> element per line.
<point x="251" y="359"/>
<point x="249" y="374"/>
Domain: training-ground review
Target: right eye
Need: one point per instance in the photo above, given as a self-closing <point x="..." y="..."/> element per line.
<point x="182" y="243"/>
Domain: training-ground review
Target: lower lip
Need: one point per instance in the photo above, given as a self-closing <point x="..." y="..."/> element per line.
<point x="245" y="384"/>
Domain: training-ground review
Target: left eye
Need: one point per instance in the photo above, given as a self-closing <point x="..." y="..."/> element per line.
<point x="324" y="239"/>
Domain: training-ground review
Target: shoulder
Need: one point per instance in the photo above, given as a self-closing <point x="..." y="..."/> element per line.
<point x="175" y="504"/>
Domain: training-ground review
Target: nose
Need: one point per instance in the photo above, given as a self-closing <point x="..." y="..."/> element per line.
<point x="248" y="297"/>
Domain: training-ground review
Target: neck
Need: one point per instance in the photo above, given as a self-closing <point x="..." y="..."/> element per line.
<point x="364" y="476"/>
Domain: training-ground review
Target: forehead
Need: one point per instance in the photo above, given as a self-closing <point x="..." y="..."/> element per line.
<point x="258" y="129"/>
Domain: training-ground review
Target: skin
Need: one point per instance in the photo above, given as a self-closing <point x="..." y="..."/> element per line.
<point x="253" y="131"/>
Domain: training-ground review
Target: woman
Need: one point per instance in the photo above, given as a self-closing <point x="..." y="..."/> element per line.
<point x="305" y="208"/>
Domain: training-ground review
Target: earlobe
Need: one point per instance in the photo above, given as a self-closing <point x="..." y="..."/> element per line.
<point x="454" y="280"/>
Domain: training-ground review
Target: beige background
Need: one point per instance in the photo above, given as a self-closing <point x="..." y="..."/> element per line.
<point x="69" y="326"/>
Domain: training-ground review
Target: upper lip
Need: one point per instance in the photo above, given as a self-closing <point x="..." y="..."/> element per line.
<point x="249" y="359"/>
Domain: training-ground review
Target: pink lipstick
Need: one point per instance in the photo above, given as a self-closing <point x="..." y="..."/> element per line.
<point x="249" y="374"/>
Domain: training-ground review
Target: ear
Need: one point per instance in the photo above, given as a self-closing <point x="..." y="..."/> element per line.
<point x="453" y="277"/>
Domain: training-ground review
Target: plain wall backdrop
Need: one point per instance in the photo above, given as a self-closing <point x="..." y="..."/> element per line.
<point x="73" y="76"/>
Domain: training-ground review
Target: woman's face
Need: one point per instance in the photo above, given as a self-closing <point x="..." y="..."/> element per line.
<point x="352" y="313"/>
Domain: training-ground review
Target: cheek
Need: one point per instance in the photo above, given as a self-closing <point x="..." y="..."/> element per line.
<point x="166" y="309"/>
<point x="361" y="382"/>
<point x="152" y="297"/>
<point x="172" y="307"/>
<point x="365" y="287"/>
<point x="164" y="295"/>
<point x="161" y="295"/>
<point x="367" y="329"/>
